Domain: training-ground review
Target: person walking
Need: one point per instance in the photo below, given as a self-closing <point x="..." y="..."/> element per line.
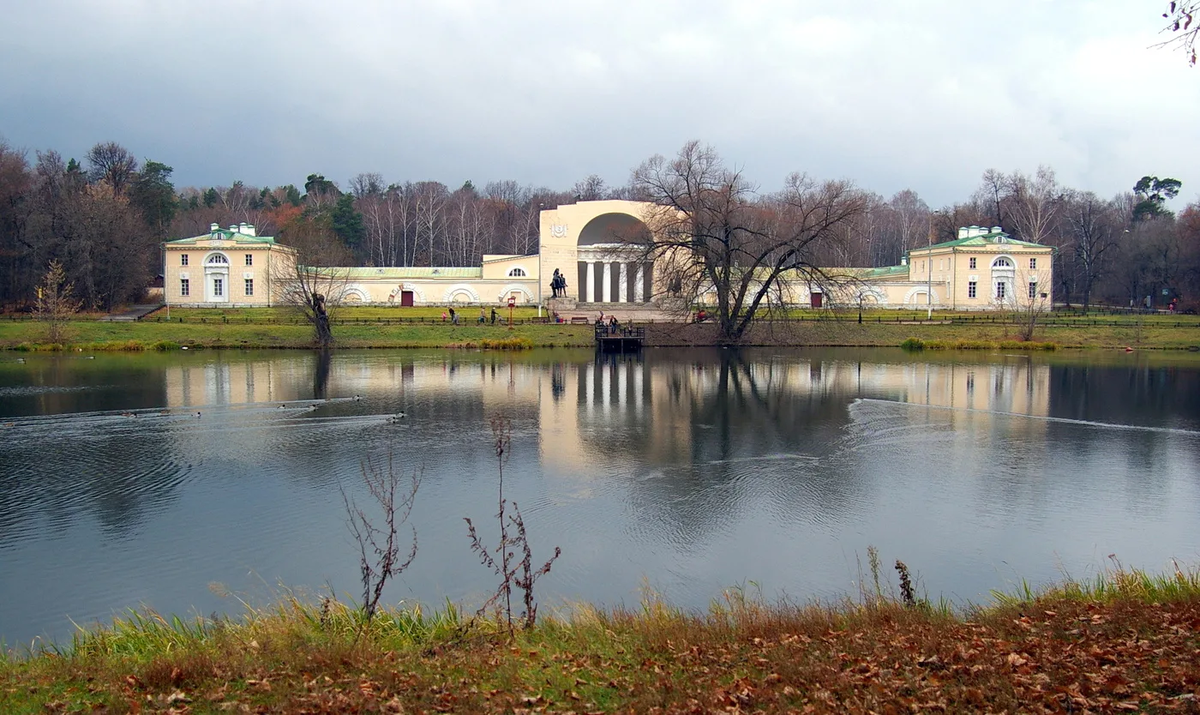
<point x="453" y="317"/>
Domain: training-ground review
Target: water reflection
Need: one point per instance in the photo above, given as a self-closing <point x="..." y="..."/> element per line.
<point x="142" y="478"/>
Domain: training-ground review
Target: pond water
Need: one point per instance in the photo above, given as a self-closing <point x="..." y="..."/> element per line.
<point x="187" y="481"/>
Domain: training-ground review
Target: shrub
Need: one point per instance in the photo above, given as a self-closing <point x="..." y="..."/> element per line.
<point x="913" y="344"/>
<point x="164" y="345"/>
<point x="506" y="344"/>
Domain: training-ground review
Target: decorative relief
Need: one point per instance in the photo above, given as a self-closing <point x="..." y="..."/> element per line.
<point x="558" y="230"/>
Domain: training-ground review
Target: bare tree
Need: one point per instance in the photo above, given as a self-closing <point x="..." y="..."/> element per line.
<point x="513" y="539"/>
<point x="590" y="189"/>
<point x="1030" y="301"/>
<point x="111" y="162"/>
<point x="429" y="202"/>
<point x="1095" y="229"/>
<point x="55" y="305"/>
<point x="1035" y="204"/>
<point x="992" y="192"/>
<point x="711" y="234"/>
<point x="1182" y="26"/>
<point x="310" y="279"/>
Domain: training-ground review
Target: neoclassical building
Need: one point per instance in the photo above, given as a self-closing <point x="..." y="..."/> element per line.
<point x="225" y="267"/>
<point x="587" y="243"/>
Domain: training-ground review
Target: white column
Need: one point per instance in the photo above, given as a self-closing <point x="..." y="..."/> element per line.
<point x="589" y="387"/>
<point x="591" y="278"/>
<point x="639" y="283"/>
<point x="606" y="289"/>
<point x="624" y="283"/>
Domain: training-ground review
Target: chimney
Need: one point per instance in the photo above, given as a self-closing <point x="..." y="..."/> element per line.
<point x="963" y="232"/>
<point x="233" y="227"/>
<point x="997" y="229"/>
<point x="248" y="229"/>
<point x="904" y="260"/>
<point x="242" y="228"/>
<point x="214" y="227"/>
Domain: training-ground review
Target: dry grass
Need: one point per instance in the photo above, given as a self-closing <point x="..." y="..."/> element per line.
<point x="1127" y="641"/>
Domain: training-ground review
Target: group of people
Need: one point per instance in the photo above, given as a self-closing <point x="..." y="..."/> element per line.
<point x="453" y="316"/>
<point x="558" y="285"/>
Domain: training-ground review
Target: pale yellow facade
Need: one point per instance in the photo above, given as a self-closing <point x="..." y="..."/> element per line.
<point x="224" y="268"/>
<point x="983" y="269"/>
<point x="587" y="244"/>
<point x="494" y="282"/>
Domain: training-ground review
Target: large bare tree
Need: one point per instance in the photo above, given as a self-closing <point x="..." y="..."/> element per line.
<point x="1095" y="229"/>
<point x="111" y="162"/>
<point x="711" y="232"/>
<point x="313" y="281"/>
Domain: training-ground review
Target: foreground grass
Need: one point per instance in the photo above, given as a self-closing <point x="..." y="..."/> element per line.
<point x="1126" y="641"/>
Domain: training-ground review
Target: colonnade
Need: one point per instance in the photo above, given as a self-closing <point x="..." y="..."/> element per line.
<point x="615" y="281"/>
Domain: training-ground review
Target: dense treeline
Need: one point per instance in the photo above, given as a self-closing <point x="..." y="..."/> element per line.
<point x="105" y="217"/>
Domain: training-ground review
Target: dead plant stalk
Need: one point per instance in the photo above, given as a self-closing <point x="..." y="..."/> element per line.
<point x="513" y="537"/>
<point x="378" y="546"/>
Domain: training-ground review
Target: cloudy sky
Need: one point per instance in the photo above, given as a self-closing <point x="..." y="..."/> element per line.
<point x="920" y="94"/>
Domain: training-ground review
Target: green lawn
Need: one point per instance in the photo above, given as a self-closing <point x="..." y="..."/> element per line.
<point x="423" y="327"/>
<point x="235" y="333"/>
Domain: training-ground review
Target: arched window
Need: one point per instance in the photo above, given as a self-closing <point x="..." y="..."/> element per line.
<point x="516" y="273"/>
<point x="1002" y="263"/>
<point x="218" y="258"/>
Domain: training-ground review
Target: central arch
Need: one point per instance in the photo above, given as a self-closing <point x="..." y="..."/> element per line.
<point x="596" y="238"/>
<point x="610" y="267"/>
<point x="613" y="229"/>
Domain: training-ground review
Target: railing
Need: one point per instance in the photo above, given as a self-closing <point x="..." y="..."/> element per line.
<point x="604" y="330"/>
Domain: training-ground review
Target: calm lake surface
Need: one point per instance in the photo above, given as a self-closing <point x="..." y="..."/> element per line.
<point x="175" y="480"/>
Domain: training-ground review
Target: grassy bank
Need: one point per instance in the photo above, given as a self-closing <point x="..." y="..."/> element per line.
<point x="423" y="327"/>
<point x="1126" y="641"/>
<point x="1171" y="335"/>
<point x="92" y="335"/>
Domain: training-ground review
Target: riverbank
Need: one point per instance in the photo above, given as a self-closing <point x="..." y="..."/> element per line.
<point x="372" y="327"/>
<point x="1159" y="334"/>
<point x="1125" y="641"/>
<point x="97" y="336"/>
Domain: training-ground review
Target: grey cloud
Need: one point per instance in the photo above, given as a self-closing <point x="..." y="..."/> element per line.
<point x="922" y="95"/>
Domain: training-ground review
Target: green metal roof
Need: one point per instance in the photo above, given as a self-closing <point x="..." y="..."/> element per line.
<point x="223" y="235"/>
<point x="885" y="272"/>
<point x="998" y="238"/>
<point x="415" y="272"/>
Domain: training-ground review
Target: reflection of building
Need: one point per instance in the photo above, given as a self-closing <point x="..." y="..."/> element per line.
<point x="588" y="243"/>
<point x="587" y="408"/>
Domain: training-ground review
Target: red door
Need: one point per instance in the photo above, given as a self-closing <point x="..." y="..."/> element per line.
<point x="406" y="298"/>
<point x="815" y="299"/>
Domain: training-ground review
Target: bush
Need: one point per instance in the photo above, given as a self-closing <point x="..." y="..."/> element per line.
<point x="913" y="344"/>
<point x="506" y="344"/>
<point x="164" y="345"/>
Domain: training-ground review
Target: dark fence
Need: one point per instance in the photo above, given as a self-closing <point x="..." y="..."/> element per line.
<point x="1055" y="319"/>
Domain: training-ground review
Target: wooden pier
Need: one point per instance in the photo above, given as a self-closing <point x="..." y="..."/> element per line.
<point x="621" y="339"/>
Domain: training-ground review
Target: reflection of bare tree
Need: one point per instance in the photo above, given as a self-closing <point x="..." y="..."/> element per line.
<point x="718" y="433"/>
<point x="321" y="373"/>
